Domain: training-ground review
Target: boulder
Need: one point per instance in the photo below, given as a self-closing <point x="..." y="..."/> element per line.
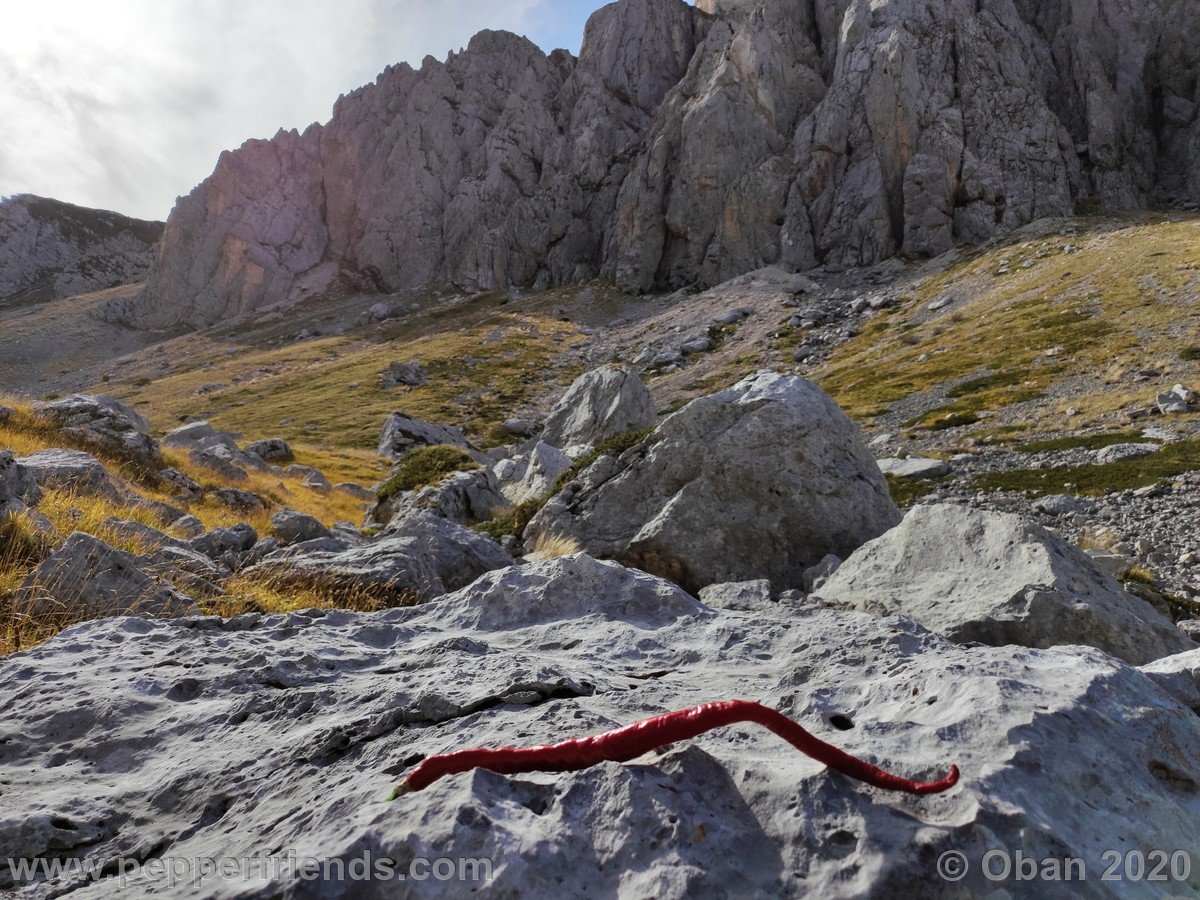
<point x="271" y="450"/>
<point x="18" y="488"/>
<point x="357" y="491"/>
<point x="759" y="481"/>
<point x="181" y="485"/>
<point x="401" y="433"/>
<point x="602" y="403"/>
<point x="458" y="554"/>
<point x="914" y="468"/>
<point x="417" y="562"/>
<point x="70" y="470"/>
<point x="292" y="527"/>
<point x="532" y="473"/>
<point x="106" y="425"/>
<point x="146" y="535"/>
<point x="997" y="578"/>
<point x="160" y="723"/>
<point x="463" y="497"/>
<point x="402" y="374"/>
<point x="1177" y="400"/>
<point x="239" y="500"/>
<point x="189" y="526"/>
<point x="1124" y="452"/>
<point x="311" y="478"/>
<point x="214" y="449"/>
<point x="86" y="578"/>
<point x="223" y="544"/>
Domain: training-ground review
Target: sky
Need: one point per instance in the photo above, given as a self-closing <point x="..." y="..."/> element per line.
<point x="126" y="104"/>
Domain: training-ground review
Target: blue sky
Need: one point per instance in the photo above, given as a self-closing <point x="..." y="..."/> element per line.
<point x="125" y="104"/>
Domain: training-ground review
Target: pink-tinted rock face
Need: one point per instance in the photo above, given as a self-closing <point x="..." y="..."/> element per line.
<point x="689" y="144"/>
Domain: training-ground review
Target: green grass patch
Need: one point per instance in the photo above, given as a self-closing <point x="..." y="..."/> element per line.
<point x="1191" y="354"/>
<point x="907" y="491"/>
<point x="987" y="382"/>
<point x="514" y="521"/>
<point x="613" y="446"/>
<point x="1171" y="461"/>
<point x="422" y="466"/>
<point x="1082" y="442"/>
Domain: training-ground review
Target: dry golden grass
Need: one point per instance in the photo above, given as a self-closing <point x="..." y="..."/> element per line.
<point x="323" y="396"/>
<point x="24" y="544"/>
<point x="1063" y="332"/>
<point x="553" y="546"/>
<point x="279" y="593"/>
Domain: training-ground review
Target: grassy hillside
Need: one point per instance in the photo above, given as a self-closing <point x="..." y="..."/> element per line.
<point x="23" y="544"/>
<point x="1090" y="317"/>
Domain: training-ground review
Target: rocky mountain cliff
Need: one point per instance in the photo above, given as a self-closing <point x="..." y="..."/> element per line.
<point x="50" y="249"/>
<point x="688" y="144"/>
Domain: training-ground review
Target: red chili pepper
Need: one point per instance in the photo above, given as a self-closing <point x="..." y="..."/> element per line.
<point x="632" y="741"/>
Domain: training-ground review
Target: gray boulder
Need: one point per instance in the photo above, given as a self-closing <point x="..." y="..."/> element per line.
<point x="914" y="468"/>
<point x="463" y="497"/>
<point x="224" y="544"/>
<point x="417" y="562"/>
<point x="324" y="711"/>
<point x="214" y="449"/>
<point x="458" y="554"/>
<point x="600" y="404"/>
<point x="402" y="374"/>
<point x="18" y="488"/>
<point x="402" y="433"/>
<point x="531" y="473"/>
<point x="1125" y="452"/>
<point x="292" y="527"/>
<point x="759" y="481"/>
<point x="181" y="485"/>
<point x="1176" y="401"/>
<point x="70" y="470"/>
<point x="357" y="491"/>
<point x="997" y="578"/>
<point x="239" y="500"/>
<point x="106" y="425"/>
<point x="147" y="535"/>
<point x="271" y="450"/>
<point x="85" y="578"/>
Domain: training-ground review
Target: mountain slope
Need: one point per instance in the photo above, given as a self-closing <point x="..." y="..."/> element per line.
<point x="50" y="250"/>
<point x="687" y="144"/>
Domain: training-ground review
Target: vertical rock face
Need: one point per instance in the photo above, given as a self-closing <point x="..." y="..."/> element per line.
<point x="50" y="250"/>
<point x="689" y="144"/>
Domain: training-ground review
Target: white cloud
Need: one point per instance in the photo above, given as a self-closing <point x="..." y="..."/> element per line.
<point x="123" y="104"/>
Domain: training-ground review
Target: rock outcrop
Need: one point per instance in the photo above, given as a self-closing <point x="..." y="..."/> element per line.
<point x="531" y="473"/>
<point x="402" y="433"/>
<point x="688" y="144"/>
<point x="259" y="735"/>
<point x="18" y="488"/>
<point x="997" y="578"/>
<point x="50" y="250"/>
<point x="599" y="404"/>
<point x="85" y="578"/>
<point x="107" y="425"/>
<point x="759" y="481"/>
<point x="421" y="557"/>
